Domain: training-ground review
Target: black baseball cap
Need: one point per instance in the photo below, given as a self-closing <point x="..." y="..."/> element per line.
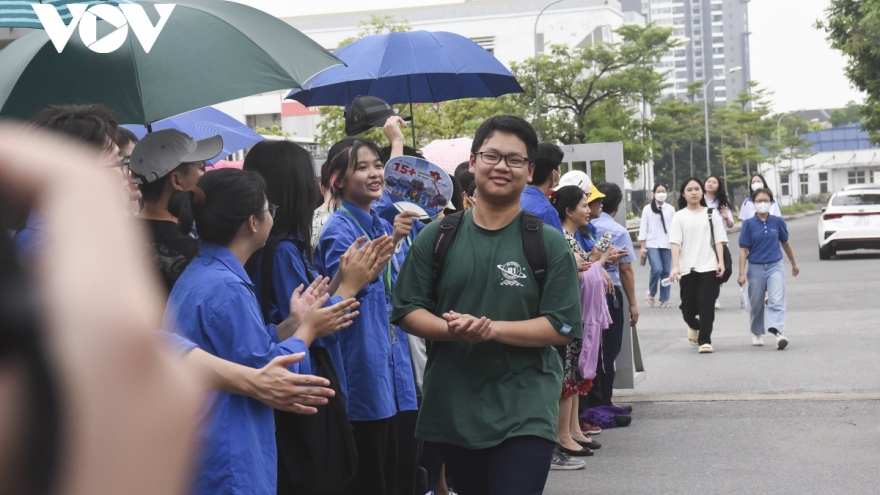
<point x="368" y="111"/>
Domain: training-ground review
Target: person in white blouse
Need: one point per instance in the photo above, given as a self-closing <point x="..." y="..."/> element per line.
<point x="716" y="198"/>
<point x="654" y="236"/>
<point x="747" y="210"/>
<point x="696" y="262"/>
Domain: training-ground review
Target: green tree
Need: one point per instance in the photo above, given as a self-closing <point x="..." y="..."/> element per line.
<point x="850" y="114"/>
<point x="574" y="80"/>
<point x="853" y="27"/>
<point x="271" y="131"/>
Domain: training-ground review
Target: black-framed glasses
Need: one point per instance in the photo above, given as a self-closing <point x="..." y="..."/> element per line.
<point x="123" y="165"/>
<point x="493" y="158"/>
<point x="272" y="210"/>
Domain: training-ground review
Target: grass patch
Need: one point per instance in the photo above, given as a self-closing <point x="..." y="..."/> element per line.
<point x="798" y="208"/>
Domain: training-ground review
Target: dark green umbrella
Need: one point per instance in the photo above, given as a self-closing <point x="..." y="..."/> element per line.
<point x="209" y="51"/>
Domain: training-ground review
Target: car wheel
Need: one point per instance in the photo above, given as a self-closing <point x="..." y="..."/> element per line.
<point x="825" y="254"/>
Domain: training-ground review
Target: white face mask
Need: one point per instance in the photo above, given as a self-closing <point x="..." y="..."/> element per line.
<point x="757" y="185"/>
<point x="762" y="207"/>
<point x="660" y="196"/>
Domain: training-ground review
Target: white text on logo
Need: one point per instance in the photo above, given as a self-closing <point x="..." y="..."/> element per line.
<point x="87" y="19"/>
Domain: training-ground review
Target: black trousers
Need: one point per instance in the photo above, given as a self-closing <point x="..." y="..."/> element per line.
<point x="383" y="465"/>
<point x="698" y="294"/>
<point x="516" y="466"/>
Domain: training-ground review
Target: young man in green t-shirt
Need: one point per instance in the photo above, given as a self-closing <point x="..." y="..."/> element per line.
<point x="492" y="381"/>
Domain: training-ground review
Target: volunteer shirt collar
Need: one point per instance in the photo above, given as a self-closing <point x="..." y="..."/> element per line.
<point x="368" y="221"/>
<point x="209" y="251"/>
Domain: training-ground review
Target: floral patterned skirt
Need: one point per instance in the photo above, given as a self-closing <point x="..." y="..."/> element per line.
<point x="572" y="382"/>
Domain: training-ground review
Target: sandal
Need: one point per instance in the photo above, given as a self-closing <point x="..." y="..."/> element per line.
<point x="693" y="336"/>
<point x="666" y="304"/>
<point x="650" y="299"/>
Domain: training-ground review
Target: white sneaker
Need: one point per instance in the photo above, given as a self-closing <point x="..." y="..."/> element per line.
<point x="781" y="342"/>
<point x="717" y="304"/>
<point x="706" y="349"/>
<point x="757" y="340"/>
<point x="562" y="462"/>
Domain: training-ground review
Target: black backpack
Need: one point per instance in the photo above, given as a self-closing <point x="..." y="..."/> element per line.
<point x="728" y="260"/>
<point x="532" y="238"/>
<point x="316" y="453"/>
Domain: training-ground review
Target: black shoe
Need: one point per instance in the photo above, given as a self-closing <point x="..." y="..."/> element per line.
<point x="584" y="452"/>
<point x="629" y="409"/>
<point x="773" y="331"/>
<point x="590" y="445"/>
<point x="621" y="420"/>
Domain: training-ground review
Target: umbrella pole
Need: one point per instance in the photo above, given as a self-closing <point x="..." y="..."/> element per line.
<point x="413" y="125"/>
<point x="149" y="128"/>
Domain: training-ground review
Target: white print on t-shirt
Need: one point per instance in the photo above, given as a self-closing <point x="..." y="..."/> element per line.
<point x="511" y="271"/>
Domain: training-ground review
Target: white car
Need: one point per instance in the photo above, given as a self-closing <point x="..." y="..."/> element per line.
<point x="850" y="221"/>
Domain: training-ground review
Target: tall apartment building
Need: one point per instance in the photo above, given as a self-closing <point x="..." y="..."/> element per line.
<point x="718" y="36"/>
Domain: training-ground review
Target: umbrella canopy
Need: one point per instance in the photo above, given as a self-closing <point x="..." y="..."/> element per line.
<point x="448" y="153"/>
<point x="19" y="14"/>
<point x="204" y="123"/>
<point x="209" y="51"/>
<point x="228" y="164"/>
<point x="409" y="67"/>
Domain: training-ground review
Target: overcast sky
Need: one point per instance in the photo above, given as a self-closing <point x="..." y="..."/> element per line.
<point x="789" y="56"/>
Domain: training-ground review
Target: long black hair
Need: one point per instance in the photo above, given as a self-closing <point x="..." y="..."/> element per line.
<point x="682" y="202"/>
<point x="220" y="203"/>
<point x="721" y="193"/>
<point x="654" y="207"/>
<point x="566" y="198"/>
<point x="290" y="184"/>
<point x="763" y="181"/>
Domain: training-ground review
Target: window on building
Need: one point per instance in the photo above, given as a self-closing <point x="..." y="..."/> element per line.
<point x="488" y="42"/>
<point x="698" y="53"/>
<point x="719" y="40"/>
<point x="718" y="49"/>
<point x="699" y="75"/>
<point x="804" y="180"/>
<point x="681" y="85"/>
<point x="678" y="32"/>
<point x="785" y="184"/>
<point x="856" y="177"/>
<point x="698" y="31"/>
<point x="823" y="182"/>
<point x="717" y="29"/>
<point x="678" y="21"/>
<point x="721" y="94"/>
<point x="266" y="120"/>
<point x="679" y="53"/>
<point x="680" y="64"/>
<point x="681" y="74"/>
<point x="678" y="10"/>
<point x="717" y="18"/>
<point x="698" y="43"/>
<point x="716" y="8"/>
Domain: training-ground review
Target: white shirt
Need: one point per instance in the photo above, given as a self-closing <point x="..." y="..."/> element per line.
<point x="652" y="232"/>
<point x="690" y="230"/>
<point x="747" y="210"/>
<point x="713" y="203"/>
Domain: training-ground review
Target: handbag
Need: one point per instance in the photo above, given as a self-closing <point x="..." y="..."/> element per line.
<point x="316" y="452"/>
<point x="728" y="260"/>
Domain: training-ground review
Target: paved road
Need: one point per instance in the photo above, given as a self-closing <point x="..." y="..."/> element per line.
<point x="749" y="419"/>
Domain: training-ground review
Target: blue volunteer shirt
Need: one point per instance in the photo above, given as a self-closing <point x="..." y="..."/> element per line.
<point x="214" y="306"/>
<point x="536" y="203"/>
<point x="29" y="240"/>
<point x="586" y="242"/>
<point x="762" y="238"/>
<point x="290" y="269"/>
<point x="375" y="354"/>
<point x="619" y="239"/>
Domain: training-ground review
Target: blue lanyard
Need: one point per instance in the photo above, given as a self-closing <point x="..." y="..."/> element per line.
<point x="386" y="273"/>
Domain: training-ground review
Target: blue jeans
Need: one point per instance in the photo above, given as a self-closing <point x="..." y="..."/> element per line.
<point x="661" y="262"/>
<point x="516" y="466"/>
<point x="766" y="278"/>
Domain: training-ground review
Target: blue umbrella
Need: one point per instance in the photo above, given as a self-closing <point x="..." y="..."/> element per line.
<point x="19" y="14"/>
<point x="204" y="123"/>
<point x="409" y="67"/>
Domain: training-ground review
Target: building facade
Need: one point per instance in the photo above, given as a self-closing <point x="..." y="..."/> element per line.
<point x="716" y="39"/>
<point x="839" y="157"/>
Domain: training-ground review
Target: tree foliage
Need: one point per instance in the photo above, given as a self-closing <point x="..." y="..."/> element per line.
<point x="853" y="27"/>
<point x="850" y="114"/>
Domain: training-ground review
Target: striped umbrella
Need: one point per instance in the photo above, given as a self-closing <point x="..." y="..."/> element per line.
<point x="20" y="14"/>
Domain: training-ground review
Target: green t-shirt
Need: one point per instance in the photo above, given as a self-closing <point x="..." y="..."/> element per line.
<point x="478" y="395"/>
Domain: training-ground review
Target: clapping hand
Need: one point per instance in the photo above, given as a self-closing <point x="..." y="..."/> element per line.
<point x="301" y="301"/>
<point x="468" y="328"/>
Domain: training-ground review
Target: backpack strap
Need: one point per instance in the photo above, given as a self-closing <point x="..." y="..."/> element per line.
<point x="532" y="238"/>
<point x="445" y="235"/>
<point x="712" y="233"/>
<point x="533" y="245"/>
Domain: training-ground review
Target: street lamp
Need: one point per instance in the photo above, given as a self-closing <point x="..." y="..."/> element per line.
<point x="706" y="112"/>
<point x="537" y="88"/>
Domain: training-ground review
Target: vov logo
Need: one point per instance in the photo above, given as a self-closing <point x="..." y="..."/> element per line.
<point x="120" y="17"/>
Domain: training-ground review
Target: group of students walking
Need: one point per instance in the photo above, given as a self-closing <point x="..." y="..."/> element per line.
<point x="689" y="246"/>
